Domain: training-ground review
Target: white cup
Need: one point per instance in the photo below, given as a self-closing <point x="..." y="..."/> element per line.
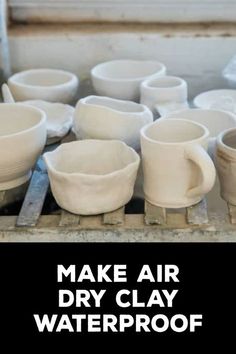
<point x="178" y="172"/>
<point x="215" y="121"/>
<point x="162" y="91"/>
<point x="108" y="119"/>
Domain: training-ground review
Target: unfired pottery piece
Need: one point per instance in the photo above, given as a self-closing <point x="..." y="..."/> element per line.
<point x="59" y="116"/>
<point x="178" y="172"/>
<point x="224" y="99"/>
<point x="214" y="120"/>
<point x="92" y="176"/>
<point x="22" y="139"/>
<point x="44" y="84"/>
<point x="225" y="160"/>
<point x="107" y="118"/>
<point x="163" y="91"/>
<point x="122" y="78"/>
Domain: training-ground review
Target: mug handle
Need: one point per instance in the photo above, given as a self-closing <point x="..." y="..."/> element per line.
<point x="200" y="157"/>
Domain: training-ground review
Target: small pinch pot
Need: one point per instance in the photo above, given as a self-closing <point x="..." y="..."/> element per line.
<point x="122" y="78"/>
<point x="163" y="90"/>
<point x="44" y="84"/>
<point x="92" y="177"/>
<point x="22" y="139"/>
<point x="107" y="118"/>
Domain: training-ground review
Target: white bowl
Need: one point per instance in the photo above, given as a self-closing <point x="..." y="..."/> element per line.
<point x="99" y="117"/>
<point x="44" y="84"/>
<point x="121" y="78"/>
<point x="92" y="176"/>
<point x="211" y="99"/>
<point x="59" y="117"/>
<point x="22" y="139"/>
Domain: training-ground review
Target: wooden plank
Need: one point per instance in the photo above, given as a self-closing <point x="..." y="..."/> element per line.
<point x="232" y="213"/>
<point x="116" y="217"/>
<point x="68" y="219"/>
<point x="197" y="214"/>
<point x="154" y="215"/>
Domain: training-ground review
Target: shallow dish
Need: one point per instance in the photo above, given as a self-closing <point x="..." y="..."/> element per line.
<point x="216" y="99"/>
<point x="44" y="84"/>
<point x="59" y="118"/>
<point x="91" y="177"/>
<point x="22" y="139"/>
<point x="121" y="78"/>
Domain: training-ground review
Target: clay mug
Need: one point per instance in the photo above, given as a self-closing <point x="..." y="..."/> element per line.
<point x="225" y="160"/>
<point x="170" y="92"/>
<point x="178" y="172"/>
<point x="214" y="120"/>
<point x="108" y="118"/>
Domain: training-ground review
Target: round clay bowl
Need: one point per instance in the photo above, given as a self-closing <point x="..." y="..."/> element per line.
<point x="22" y="139"/>
<point x="92" y="176"/>
<point x="44" y="84"/>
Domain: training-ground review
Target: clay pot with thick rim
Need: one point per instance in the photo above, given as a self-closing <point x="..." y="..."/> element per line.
<point x="92" y="177"/>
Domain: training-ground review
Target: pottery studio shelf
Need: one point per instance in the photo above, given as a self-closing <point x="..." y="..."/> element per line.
<point x="147" y="223"/>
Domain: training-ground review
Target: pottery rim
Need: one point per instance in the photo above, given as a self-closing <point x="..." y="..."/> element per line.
<point x="72" y="78"/>
<point x="96" y="176"/>
<point x="119" y="101"/>
<point x="212" y="110"/>
<point x="29" y="108"/>
<point x="205" y="134"/>
<point x="179" y="82"/>
<point x="200" y="95"/>
<point x="162" y="69"/>
<point x="222" y="135"/>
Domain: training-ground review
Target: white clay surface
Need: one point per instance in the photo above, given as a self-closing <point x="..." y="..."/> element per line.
<point x="121" y="79"/>
<point x="106" y="118"/>
<point x="59" y="117"/>
<point x="214" y="98"/>
<point x="44" y="84"/>
<point x="177" y="169"/>
<point x="215" y="121"/>
<point x="92" y="176"/>
<point x="22" y="139"/>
